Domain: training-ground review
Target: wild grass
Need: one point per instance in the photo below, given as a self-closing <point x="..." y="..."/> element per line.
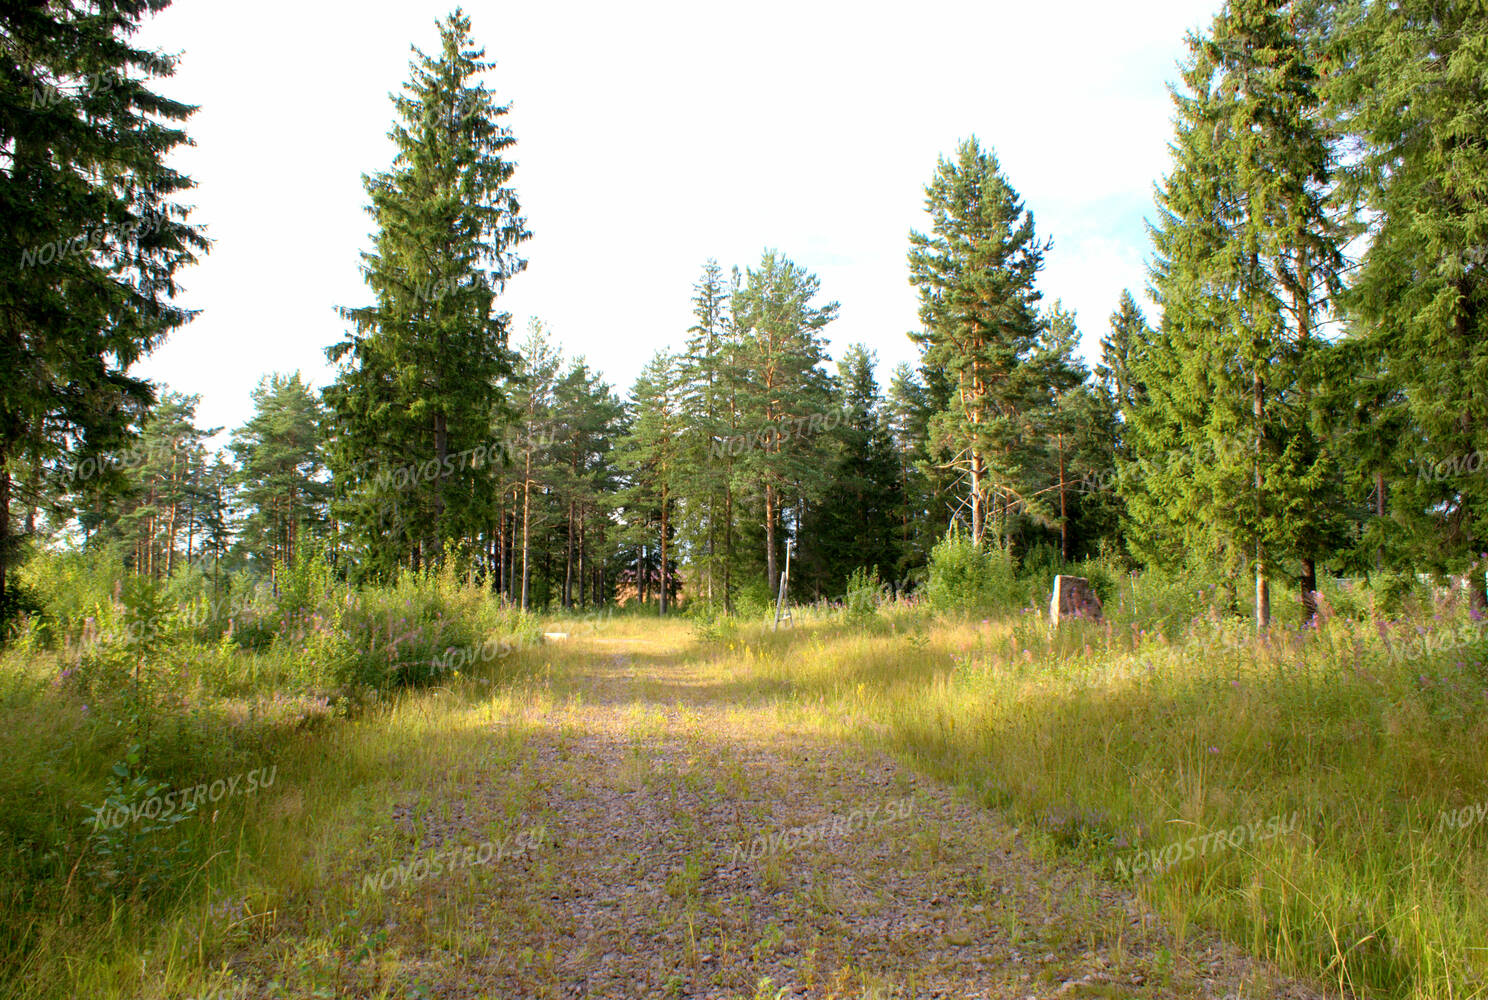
<point x="1362" y="739"/>
<point x="166" y="702"/>
<point x="1171" y="722"/>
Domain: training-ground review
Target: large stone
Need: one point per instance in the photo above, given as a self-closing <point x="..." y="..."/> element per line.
<point x="1073" y="598"/>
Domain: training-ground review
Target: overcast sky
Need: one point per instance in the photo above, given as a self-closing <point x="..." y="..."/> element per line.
<point x="650" y="137"/>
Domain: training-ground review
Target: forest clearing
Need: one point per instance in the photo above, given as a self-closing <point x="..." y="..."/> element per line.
<point x="876" y="803"/>
<point x="819" y="574"/>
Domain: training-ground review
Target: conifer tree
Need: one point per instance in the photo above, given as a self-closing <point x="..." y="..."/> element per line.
<point x="1414" y="90"/>
<point x="855" y="524"/>
<point x="976" y="271"/>
<point x="586" y="419"/>
<point x="1247" y="260"/>
<point x="419" y="376"/>
<point x="1057" y="423"/>
<point x="533" y="400"/>
<point x="921" y="517"/>
<point x="92" y="241"/>
<point x="281" y="469"/>
<point x="1120" y="349"/>
<point x="650" y="455"/>
<point x="707" y="383"/>
<point x="785" y="395"/>
<point x="147" y="500"/>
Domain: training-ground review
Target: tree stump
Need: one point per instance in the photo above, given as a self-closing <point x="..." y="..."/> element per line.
<point x="1074" y="598"/>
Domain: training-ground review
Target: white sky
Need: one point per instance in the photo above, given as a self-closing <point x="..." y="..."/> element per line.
<point x="651" y="136"/>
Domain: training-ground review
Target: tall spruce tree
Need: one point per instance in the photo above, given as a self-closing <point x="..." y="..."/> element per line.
<point x="707" y="380"/>
<point x="533" y="399"/>
<point x="1123" y="344"/>
<point x="925" y="485"/>
<point x="586" y="418"/>
<point x="976" y="271"/>
<point x="419" y="374"/>
<point x="1247" y="261"/>
<point x="92" y="239"/>
<point x="1414" y="90"/>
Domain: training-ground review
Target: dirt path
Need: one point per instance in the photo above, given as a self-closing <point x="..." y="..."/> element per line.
<point x="695" y="847"/>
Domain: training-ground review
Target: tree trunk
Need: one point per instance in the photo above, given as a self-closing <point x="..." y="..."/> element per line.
<point x="770" y="537"/>
<point x="526" y="518"/>
<point x="599" y="594"/>
<point x="4" y="527"/>
<point x="1309" y="589"/>
<point x="663" y="596"/>
<point x="150" y="534"/>
<point x="978" y="514"/>
<point x="1064" y="546"/>
<point x="290" y="535"/>
<point x="728" y="550"/>
<point x="170" y="528"/>
<point x="441" y="449"/>
<point x="582" y="561"/>
<point x="712" y="530"/>
<point x="1262" y="588"/>
<point x="1379" y="512"/>
<point x="568" y="560"/>
<point x="35" y="493"/>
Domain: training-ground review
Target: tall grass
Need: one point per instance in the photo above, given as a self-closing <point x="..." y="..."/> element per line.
<point x="136" y="694"/>
<point x="1362" y="738"/>
<point x="1168" y="722"/>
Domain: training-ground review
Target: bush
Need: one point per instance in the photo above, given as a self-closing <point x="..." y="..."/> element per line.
<point x="964" y="577"/>
<point x="753" y="600"/>
<point x="1398" y="593"/>
<point x="306" y="583"/>
<point x="865" y="594"/>
<point x="710" y="623"/>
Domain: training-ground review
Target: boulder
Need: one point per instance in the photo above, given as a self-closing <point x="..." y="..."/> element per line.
<point x="1073" y="597"/>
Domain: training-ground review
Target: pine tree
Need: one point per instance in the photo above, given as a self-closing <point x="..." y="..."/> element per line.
<point x="856" y="523"/>
<point x="785" y="396"/>
<point x="650" y="453"/>
<point x="707" y="385"/>
<point x="281" y="469"/>
<point x="976" y="273"/>
<point x="92" y="237"/>
<point x="419" y="375"/>
<point x="147" y="503"/>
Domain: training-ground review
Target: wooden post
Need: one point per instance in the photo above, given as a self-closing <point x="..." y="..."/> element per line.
<point x="784" y="586"/>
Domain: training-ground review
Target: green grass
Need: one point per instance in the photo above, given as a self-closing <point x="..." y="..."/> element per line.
<point x="1108" y="740"/>
<point x="1171" y="723"/>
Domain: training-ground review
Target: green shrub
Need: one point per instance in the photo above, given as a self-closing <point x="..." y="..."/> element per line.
<point x="140" y="856"/>
<point x="710" y="623"/>
<point x="1398" y="594"/>
<point x="308" y="582"/>
<point x="964" y="577"/>
<point x="865" y="594"/>
<point x="753" y="601"/>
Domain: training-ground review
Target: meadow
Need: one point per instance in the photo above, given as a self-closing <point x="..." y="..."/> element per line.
<point x="1315" y="797"/>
